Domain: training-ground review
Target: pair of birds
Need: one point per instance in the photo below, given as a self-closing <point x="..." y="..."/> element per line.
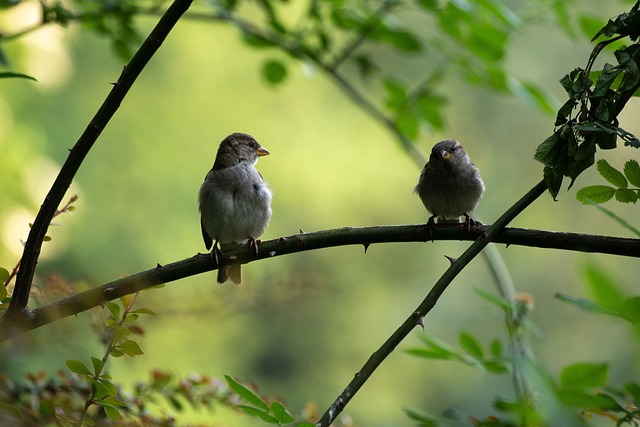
<point x="235" y="202"/>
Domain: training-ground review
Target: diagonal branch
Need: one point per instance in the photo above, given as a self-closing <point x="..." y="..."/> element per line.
<point x="25" y="321"/>
<point x="416" y="318"/>
<point x="80" y="150"/>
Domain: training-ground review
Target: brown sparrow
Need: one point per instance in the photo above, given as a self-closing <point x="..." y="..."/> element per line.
<point x="450" y="185"/>
<point x="235" y="202"/>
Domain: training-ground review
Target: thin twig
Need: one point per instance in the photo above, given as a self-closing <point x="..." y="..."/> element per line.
<point x="78" y="153"/>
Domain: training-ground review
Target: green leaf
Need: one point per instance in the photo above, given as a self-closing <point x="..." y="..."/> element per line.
<point x="143" y="311"/>
<point x="112" y="412"/>
<point x="495" y="300"/>
<point x="603" y="288"/>
<point x="595" y="194"/>
<point x="631" y="171"/>
<point x="280" y="413"/>
<point x="611" y="174"/>
<point x="495" y="366"/>
<point x="424" y="420"/>
<point x="400" y="39"/>
<point x="130" y="347"/>
<point x="585" y="304"/>
<point x="625" y="195"/>
<point x="246" y="394"/>
<point x="582" y="376"/>
<point x="496" y="348"/>
<point x="99" y="390"/>
<point x="97" y="365"/>
<point x="9" y="75"/>
<point x="78" y="367"/>
<point x="274" y="71"/>
<point x="408" y="125"/>
<point x="114" y="309"/>
<point x="586" y="400"/>
<point x="4" y="274"/>
<point x="396" y="94"/>
<point x="469" y="343"/>
<point x="260" y="414"/>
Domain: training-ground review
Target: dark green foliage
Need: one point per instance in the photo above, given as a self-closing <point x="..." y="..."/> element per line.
<point x="588" y="119"/>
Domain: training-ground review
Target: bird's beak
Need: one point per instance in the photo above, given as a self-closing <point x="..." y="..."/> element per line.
<point x="262" y="152"/>
<point x="445" y="154"/>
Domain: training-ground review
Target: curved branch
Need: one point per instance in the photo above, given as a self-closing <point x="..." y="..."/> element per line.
<point x="80" y="150"/>
<point x="200" y="263"/>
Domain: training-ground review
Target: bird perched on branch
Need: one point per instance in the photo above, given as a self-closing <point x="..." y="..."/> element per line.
<point x="235" y="202"/>
<point x="450" y="185"/>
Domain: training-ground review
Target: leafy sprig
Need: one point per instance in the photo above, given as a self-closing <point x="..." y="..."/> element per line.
<point x="589" y="118"/>
<point x="597" y="194"/>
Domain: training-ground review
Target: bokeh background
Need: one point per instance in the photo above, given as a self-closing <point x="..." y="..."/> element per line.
<point x="300" y="326"/>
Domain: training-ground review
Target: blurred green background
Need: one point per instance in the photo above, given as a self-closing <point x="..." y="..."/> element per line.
<point x="300" y="326"/>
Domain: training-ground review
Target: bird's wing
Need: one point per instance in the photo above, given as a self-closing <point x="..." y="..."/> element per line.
<point x="208" y="241"/>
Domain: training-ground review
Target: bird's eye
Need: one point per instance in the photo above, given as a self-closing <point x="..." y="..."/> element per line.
<point x="252" y="144"/>
<point x="454" y="148"/>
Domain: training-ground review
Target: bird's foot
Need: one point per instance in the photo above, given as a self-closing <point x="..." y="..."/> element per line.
<point x="431" y="226"/>
<point x="470" y="222"/>
<point x="214" y="253"/>
<point x="254" y="243"/>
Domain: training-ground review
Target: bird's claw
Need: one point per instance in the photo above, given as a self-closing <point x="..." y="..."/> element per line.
<point x="214" y="253"/>
<point x="431" y="226"/>
<point x="254" y="243"/>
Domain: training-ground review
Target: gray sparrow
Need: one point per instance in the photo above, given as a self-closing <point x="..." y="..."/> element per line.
<point x="450" y="185"/>
<point x="235" y="202"/>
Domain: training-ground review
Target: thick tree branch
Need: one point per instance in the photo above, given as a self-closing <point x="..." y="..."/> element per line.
<point x="27" y="320"/>
<point x="80" y="150"/>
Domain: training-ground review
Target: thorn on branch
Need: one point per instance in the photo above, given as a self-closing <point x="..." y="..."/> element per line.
<point x="451" y="259"/>
<point x="420" y="322"/>
<point x="366" y="246"/>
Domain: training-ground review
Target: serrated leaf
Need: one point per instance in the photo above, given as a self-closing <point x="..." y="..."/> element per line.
<point x="469" y="344"/>
<point x="595" y="194"/>
<point x="632" y="172"/>
<point x="260" y="414"/>
<point x="78" y="367"/>
<point x="625" y="195"/>
<point x="611" y="174"/>
<point x="246" y="394"/>
<point x="130" y="347"/>
<point x="280" y="413"/>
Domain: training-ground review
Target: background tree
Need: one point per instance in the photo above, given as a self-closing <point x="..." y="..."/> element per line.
<point x="386" y="59"/>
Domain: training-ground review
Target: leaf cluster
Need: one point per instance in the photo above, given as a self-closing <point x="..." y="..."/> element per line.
<point x="597" y="194"/>
<point x="589" y="118"/>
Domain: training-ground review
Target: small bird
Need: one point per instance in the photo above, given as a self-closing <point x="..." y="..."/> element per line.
<point x="234" y="201"/>
<point x="450" y="185"/>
